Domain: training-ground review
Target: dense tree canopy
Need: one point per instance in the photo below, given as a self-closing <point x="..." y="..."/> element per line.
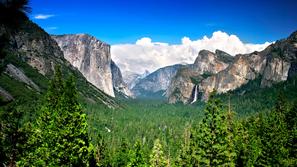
<point x="59" y="137"/>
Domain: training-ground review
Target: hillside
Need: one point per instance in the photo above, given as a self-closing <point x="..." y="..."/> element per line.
<point x="33" y="54"/>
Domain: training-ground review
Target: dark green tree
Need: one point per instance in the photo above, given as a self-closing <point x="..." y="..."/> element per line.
<point x="274" y="136"/>
<point x="12" y="134"/>
<point x="186" y="156"/>
<point x="122" y="154"/>
<point x="59" y="136"/>
<point x="247" y="142"/>
<point x="136" y="156"/>
<point x="291" y="120"/>
<point x="214" y="140"/>
<point x="101" y="152"/>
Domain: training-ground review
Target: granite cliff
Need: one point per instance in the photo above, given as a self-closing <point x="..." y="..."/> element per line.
<point x="90" y="56"/>
<point x="274" y="64"/>
<point x="222" y="72"/>
<point x="206" y="64"/>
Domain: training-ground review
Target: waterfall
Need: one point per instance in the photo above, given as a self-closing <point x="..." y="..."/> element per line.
<point x="195" y="94"/>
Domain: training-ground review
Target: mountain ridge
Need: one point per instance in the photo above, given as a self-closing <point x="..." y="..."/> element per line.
<point x="32" y="51"/>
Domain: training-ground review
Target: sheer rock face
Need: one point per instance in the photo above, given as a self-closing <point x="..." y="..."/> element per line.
<point x="211" y="62"/>
<point x="181" y="86"/>
<point x="275" y="64"/>
<point x="91" y="57"/>
<point x="207" y="63"/>
<point x="118" y="82"/>
<point x="243" y="69"/>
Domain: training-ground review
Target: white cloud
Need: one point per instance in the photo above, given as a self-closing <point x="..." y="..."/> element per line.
<point x="148" y="55"/>
<point x="43" y="16"/>
<point x="51" y="28"/>
<point x="145" y="41"/>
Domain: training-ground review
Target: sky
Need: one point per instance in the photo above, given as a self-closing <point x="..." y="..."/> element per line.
<point x="141" y="23"/>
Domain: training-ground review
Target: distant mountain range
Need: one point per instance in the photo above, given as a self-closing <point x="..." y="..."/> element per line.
<point x="221" y="72"/>
<point x="32" y="54"/>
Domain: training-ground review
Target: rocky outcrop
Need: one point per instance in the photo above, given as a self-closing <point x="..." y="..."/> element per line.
<point x="274" y="64"/>
<point x="91" y="57"/>
<point x="206" y="64"/>
<point x="156" y="81"/>
<point x="243" y="69"/>
<point x="20" y="76"/>
<point x="33" y="44"/>
<point x="181" y="86"/>
<point x="5" y="96"/>
<point x="118" y="82"/>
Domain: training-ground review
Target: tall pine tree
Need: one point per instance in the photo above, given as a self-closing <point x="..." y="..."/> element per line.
<point x="59" y="136"/>
<point x="214" y="140"/>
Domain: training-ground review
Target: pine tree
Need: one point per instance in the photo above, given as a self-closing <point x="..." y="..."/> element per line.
<point x="187" y="153"/>
<point x="136" y="156"/>
<point x="214" y="147"/>
<point x="59" y="136"/>
<point x="122" y="153"/>
<point x="101" y="152"/>
<point x="291" y="120"/>
<point x="247" y="142"/>
<point x="12" y="134"/>
<point x="157" y="158"/>
<point x="274" y="136"/>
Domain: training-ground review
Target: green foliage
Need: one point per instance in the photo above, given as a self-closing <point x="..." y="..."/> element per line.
<point x="247" y="143"/>
<point x="275" y="136"/>
<point x="252" y="98"/>
<point x="101" y="154"/>
<point x="122" y="153"/>
<point x="12" y="134"/>
<point x="59" y="137"/>
<point x="268" y="140"/>
<point x="142" y="119"/>
<point x="136" y="156"/>
<point x="214" y="139"/>
<point x="157" y="158"/>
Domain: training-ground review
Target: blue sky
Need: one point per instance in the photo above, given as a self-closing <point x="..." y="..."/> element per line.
<point x="124" y="21"/>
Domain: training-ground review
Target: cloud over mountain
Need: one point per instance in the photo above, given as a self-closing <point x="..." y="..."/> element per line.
<point x="148" y="55"/>
<point x="43" y="16"/>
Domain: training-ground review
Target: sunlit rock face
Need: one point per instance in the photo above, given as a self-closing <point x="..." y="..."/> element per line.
<point x="207" y="63"/>
<point x="274" y="64"/>
<point x="221" y="72"/>
<point x="91" y="57"/>
<point x="243" y="69"/>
